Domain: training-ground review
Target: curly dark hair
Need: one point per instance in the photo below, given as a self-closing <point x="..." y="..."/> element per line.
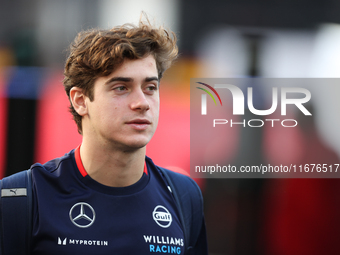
<point x="96" y="53"/>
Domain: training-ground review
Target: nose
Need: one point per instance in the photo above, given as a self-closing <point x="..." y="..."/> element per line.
<point x="139" y="101"/>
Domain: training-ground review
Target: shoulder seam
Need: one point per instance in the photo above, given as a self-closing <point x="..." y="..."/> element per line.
<point x="37" y="165"/>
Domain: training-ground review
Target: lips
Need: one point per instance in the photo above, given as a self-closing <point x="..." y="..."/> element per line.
<point x="139" y="124"/>
<point x="139" y="121"/>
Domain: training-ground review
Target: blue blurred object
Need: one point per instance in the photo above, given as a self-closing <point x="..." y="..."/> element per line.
<point x="25" y="82"/>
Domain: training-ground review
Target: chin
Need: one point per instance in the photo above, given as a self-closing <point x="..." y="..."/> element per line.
<point x="130" y="141"/>
<point x="130" y="149"/>
<point x="136" y="145"/>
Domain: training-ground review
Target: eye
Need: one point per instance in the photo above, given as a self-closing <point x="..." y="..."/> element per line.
<point x="120" y="88"/>
<point x="151" y="88"/>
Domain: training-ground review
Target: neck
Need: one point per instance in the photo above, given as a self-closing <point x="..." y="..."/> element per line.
<point x="112" y="167"/>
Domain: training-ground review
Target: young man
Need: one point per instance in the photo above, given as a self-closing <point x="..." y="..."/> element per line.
<point x="106" y="196"/>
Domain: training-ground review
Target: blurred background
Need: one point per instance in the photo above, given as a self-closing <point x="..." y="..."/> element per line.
<point x="217" y="39"/>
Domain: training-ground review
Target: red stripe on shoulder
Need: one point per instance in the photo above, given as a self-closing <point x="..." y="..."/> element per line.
<point x="145" y="169"/>
<point x="79" y="162"/>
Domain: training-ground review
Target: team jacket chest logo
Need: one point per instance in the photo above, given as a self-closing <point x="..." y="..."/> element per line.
<point x="82" y="215"/>
<point x="162" y="216"/>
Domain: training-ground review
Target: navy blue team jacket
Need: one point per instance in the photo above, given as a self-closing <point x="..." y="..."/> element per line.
<point x="74" y="214"/>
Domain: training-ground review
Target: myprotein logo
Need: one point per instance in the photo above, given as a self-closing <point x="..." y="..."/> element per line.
<point x="71" y="241"/>
<point x="162" y="216"/>
<point x="62" y="242"/>
<point x="239" y="99"/>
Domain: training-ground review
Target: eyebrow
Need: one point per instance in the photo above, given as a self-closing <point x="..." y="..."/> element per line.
<point x="153" y="78"/>
<point x="128" y="79"/>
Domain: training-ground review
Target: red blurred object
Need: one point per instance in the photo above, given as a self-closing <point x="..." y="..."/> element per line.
<point x="56" y="131"/>
<point x="301" y="216"/>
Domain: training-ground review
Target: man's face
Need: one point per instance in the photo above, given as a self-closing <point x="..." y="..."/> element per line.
<point x="125" y="109"/>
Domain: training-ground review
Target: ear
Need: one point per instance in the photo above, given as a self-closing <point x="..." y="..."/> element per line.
<point x="78" y="100"/>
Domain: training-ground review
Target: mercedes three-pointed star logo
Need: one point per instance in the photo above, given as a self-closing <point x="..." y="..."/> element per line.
<point x="82" y="217"/>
